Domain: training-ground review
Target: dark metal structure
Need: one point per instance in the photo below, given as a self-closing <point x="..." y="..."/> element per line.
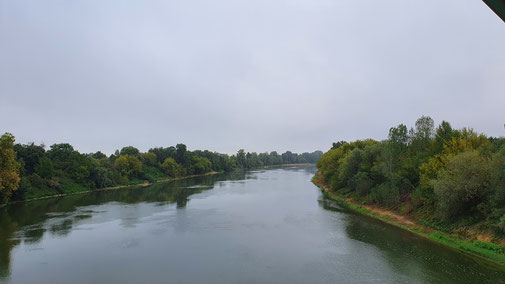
<point x="498" y="6"/>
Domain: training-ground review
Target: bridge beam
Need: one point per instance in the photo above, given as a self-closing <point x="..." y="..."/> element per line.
<point x="498" y="6"/>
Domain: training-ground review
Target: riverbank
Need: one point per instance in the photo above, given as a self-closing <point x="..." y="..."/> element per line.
<point x="487" y="251"/>
<point x="286" y="165"/>
<point x="145" y="184"/>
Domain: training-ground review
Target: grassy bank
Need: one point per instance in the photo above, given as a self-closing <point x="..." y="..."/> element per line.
<point x="487" y="251"/>
<point x="78" y="189"/>
<point x="82" y="190"/>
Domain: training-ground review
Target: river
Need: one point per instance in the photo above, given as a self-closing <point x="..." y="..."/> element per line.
<point x="265" y="226"/>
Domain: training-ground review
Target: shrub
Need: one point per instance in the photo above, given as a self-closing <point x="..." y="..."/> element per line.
<point x="463" y="184"/>
<point x="386" y="194"/>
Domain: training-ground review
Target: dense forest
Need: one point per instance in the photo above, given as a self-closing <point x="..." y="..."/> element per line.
<point x="449" y="179"/>
<point x="30" y="171"/>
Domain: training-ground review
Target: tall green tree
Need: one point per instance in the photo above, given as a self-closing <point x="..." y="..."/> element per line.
<point x="180" y="153"/>
<point x="463" y="184"/>
<point x="9" y="167"/>
<point x="29" y="155"/>
<point x="128" y="166"/>
<point x="130" y="150"/>
<point x="172" y="168"/>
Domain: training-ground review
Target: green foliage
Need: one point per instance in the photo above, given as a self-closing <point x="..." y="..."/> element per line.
<point x="60" y="152"/>
<point x="337" y="145"/>
<point x="102" y="176"/>
<point x="180" y="153"/>
<point x="150" y="159"/>
<point x="45" y="168"/>
<point x="444" y="175"/>
<point x="201" y="165"/>
<point x="361" y="183"/>
<point x="98" y="155"/>
<point x="130" y="150"/>
<point x="62" y="169"/>
<point x="163" y="153"/>
<point x="153" y="173"/>
<point x="29" y="155"/>
<point x="462" y="184"/>
<point x="128" y="166"/>
<point x="386" y="194"/>
<point x="172" y="168"/>
<point x="9" y="167"/>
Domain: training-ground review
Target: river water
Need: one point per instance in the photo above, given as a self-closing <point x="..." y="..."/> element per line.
<point x="267" y="226"/>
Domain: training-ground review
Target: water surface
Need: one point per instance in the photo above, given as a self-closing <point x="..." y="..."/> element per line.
<point x="268" y="226"/>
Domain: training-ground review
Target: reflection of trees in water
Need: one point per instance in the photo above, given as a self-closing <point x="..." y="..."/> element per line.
<point x="7" y="230"/>
<point x="408" y="254"/>
<point x="28" y="222"/>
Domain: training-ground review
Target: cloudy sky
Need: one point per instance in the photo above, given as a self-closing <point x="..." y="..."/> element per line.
<point x="261" y="75"/>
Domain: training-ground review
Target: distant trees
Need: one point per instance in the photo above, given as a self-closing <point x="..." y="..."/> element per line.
<point x="35" y="172"/>
<point x="443" y="174"/>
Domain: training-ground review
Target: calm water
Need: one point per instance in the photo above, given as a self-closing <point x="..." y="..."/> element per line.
<point x="270" y="226"/>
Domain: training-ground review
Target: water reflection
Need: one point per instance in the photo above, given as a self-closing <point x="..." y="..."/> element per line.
<point x="413" y="256"/>
<point x="29" y="222"/>
<point x="266" y="226"/>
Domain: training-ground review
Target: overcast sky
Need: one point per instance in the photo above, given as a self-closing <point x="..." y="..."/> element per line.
<point x="260" y="75"/>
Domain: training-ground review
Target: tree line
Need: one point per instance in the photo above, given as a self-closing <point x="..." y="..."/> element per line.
<point x="30" y="171"/>
<point x="442" y="177"/>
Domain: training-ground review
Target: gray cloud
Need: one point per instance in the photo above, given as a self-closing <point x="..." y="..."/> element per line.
<point x="260" y="75"/>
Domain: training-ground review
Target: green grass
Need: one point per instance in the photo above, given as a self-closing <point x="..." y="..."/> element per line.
<point x="69" y="186"/>
<point x="39" y="192"/>
<point x="484" y="249"/>
<point x="153" y="173"/>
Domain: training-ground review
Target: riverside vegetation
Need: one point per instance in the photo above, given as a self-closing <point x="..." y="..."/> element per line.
<point x="449" y="183"/>
<point x="29" y="171"/>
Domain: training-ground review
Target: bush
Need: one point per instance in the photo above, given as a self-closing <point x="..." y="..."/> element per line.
<point x="361" y="184"/>
<point x="386" y="194"/>
<point x="463" y="184"/>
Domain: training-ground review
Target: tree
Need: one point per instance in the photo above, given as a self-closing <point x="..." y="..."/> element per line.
<point x="45" y="168"/>
<point x="462" y="184"/>
<point x="201" y="165"/>
<point x="398" y="136"/>
<point x="288" y="157"/>
<point x="336" y="145"/>
<point x="98" y="155"/>
<point x="29" y="155"/>
<point x="443" y="134"/>
<point x="163" y="153"/>
<point x="9" y="167"/>
<point x="264" y="159"/>
<point x="128" y="166"/>
<point x="60" y="152"/>
<point x="150" y="159"/>
<point x="180" y="153"/>
<point x="130" y="150"/>
<point x="424" y="128"/>
<point x="241" y="159"/>
<point x="275" y="158"/>
<point x="101" y="176"/>
<point x="172" y="168"/>
<point x="70" y="162"/>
